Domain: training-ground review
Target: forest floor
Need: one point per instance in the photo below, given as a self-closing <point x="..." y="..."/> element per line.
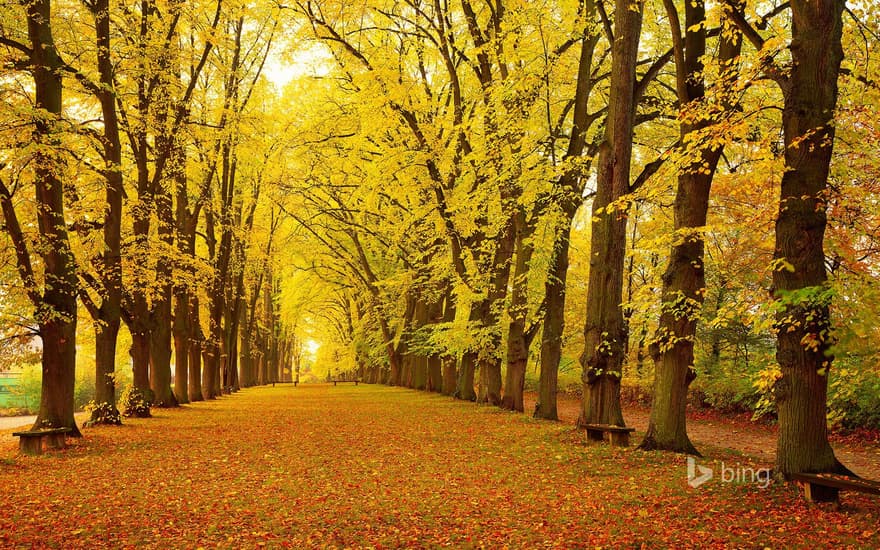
<point x="860" y="452"/>
<point x="379" y="467"/>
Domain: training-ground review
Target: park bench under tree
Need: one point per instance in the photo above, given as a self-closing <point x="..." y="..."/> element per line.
<point x="615" y="435"/>
<point x="335" y="381"/>
<point x="31" y="441"/>
<point x="826" y="487"/>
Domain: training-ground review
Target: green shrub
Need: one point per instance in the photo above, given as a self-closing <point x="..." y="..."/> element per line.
<point x="853" y="397"/>
<point x="84" y="389"/>
<point x="30" y="387"/>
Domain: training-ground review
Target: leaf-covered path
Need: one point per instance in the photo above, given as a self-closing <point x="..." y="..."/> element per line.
<point x="371" y="466"/>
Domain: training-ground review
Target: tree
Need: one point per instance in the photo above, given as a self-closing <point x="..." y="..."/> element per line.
<point x="107" y="316"/>
<point x="605" y="333"/>
<point x="800" y="285"/>
<point x="684" y="281"/>
<point x="54" y="303"/>
<point x="566" y="197"/>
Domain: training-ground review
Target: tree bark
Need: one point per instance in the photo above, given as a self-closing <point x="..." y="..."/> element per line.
<point x="435" y="359"/>
<point x="110" y="310"/>
<point x="160" y="335"/>
<point x="569" y="191"/>
<point x="554" y="325"/>
<point x="449" y="362"/>
<point x="684" y="282"/>
<point x="800" y="279"/>
<point x="605" y="331"/>
<point x="56" y="310"/>
<point x="489" y="355"/>
<point x="518" y="339"/>
<point x="182" y="326"/>
<point x="194" y="350"/>
<point x="464" y="385"/>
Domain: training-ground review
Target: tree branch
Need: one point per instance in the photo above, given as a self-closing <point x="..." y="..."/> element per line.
<point x="22" y="254"/>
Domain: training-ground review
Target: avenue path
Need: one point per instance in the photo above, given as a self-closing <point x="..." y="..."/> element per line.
<point x="754" y="439"/>
<point x="368" y="466"/>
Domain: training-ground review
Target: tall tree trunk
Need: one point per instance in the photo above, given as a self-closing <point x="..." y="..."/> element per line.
<point x="464" y="384"/>
<point x="182" y="326"/>
<point x="464" y="387"/>
<point x="605" y="331"/>
<point x="160" y="335"/>
<point x="419" y="358"/>
<point x="139" y="318"/>
<point x="56" y="311"/>
<point x="140" y="355"/>
<point x="109" y="313"/>
<point x="569" y="197"/>
<point x="554" y="325"/>
<point x="489" y="358"/>
<point x="800" y="279"/>
<point x="518" y="338"/>
<point x="684" y="282"/>
<point x="210" y="368"/>
<point x="181" y="334"/>
<point x="449" y="362"/>
<point x="435" y="359"/>
<point x="194" y="349"/>
<point x="246" y="360"/>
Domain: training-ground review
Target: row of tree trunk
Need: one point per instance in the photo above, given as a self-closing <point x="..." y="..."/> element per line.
<point x="810" y="93"/>
<point x="161" y="303"/>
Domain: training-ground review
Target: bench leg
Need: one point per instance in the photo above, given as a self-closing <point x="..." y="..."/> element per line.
<point x="31" y="445"/>
<point x="595" y="435"/>
<point x="820" y="493"/>
<point x="619" y="439"/>
<point x="56" y="441"/>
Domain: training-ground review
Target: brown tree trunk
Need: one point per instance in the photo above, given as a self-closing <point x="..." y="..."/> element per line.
<point x="684" y="283"/>
<point x="518" y="339"/>
<point x="194" y="350"/>
<point x="569" y="190"/>
<point x="450" y="374"/>
<point x="464" y="384"/>
<point x="140" y="358"/>
<point x="245" y="359"/>
<point x="605" y="331"/>
<point x="160" y="313"/>
<point x="182" y="326"/>
<point x="800" y="280"/>
<point x="210" y="369"/>
<point x="109" y="313"/>
<point x="554" y="325"/>
<point x="449" y="362"/>
<point x="489" y="356"/>
<point x="181" y="334"/>
<point x="105" y="370"/>
<point x="56" y="310"/>
<point x="435" y="359"/>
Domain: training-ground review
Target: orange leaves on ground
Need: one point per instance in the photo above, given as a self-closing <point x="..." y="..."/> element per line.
<point x="367" y="466"/>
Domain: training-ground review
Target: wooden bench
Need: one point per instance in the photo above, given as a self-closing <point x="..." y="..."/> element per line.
<point x="825" y="487"/>
<point x="615" y="435"/>
<point x="341" y="381"/>
<point x="31" y="441"/>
